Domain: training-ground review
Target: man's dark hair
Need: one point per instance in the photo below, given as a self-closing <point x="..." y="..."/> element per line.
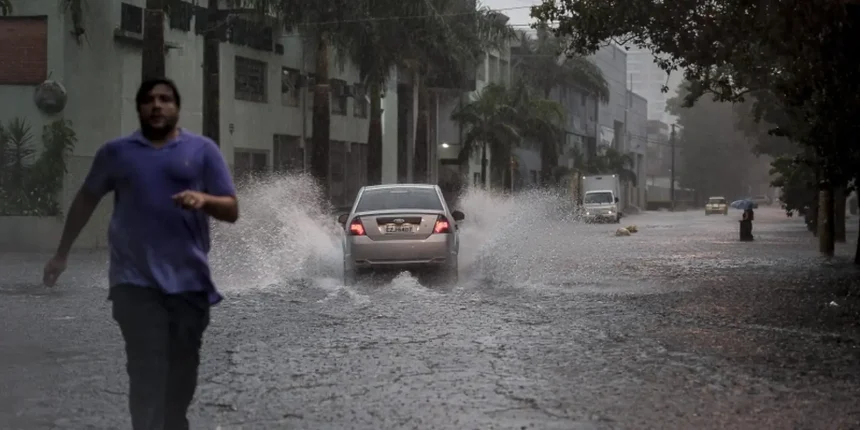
<point x="147" y="86"/>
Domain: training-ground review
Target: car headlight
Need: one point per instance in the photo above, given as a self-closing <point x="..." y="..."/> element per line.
<point x="609" y="212"/>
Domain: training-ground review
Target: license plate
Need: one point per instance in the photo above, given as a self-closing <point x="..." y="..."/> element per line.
<point x="394" y="228"/>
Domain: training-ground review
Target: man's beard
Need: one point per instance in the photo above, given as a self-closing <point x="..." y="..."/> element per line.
<point x="157" y="133"/>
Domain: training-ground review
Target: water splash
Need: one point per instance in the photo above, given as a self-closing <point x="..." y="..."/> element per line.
<point x="285" y="233"/>
<point x="515" y="238"/>
<point x="287" y="236"/>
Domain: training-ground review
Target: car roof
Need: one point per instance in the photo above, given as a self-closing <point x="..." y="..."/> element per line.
<point x="400" y="186"/>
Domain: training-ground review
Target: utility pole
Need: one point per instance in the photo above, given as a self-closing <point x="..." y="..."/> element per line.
<point x="672" y="169"/>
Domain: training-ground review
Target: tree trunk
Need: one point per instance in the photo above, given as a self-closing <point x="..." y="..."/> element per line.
<point x="374" y="135"/>
<point x="825" y="221"/>
<point x="420" y="157"/>
<point x="152" y="56"/>
<point x="484" y="163"/>
<point x="319" y="159"/>
<point x="211" y="75"/>
<point x="839" y="215"/>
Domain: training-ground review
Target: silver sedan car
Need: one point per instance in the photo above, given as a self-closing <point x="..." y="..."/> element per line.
<point x="400" y="227"/>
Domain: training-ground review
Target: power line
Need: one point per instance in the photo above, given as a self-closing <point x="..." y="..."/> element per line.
<point x="406" y="17"/>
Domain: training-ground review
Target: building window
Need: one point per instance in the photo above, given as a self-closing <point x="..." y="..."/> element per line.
<point x="180" y="15"/>
<point x="287" y="154"/>
<point x="290" y="87"/>
<point x="339" y="97"/>
<point x="249" y="163"/>
<point x="250" y="80"/>
<point x="23" y="51"/>
<point x="360" y="103"/>
<point x="131" y="18"/>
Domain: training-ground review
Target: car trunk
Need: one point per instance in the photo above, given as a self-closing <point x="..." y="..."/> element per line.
<point x="400" y="225"/>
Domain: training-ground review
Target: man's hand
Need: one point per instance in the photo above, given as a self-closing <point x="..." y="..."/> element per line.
<point x="191" y="199"/>
<point x="55" y="266"/>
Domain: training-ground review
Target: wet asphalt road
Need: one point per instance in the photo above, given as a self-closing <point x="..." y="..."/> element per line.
<point x="559" y="327"/>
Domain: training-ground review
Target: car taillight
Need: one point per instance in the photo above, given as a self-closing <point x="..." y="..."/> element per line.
<point x="356" y="228"/>
<point x="442" y="225"/>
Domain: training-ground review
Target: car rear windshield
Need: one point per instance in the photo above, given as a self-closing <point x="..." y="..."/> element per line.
<point x="399" y="198"/>
<point x="717" y="201"/>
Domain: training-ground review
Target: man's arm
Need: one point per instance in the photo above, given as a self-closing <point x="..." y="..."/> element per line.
<point x="99" y="181"/>
<point x="221" y="202"/>
<point x="80" y="211"/>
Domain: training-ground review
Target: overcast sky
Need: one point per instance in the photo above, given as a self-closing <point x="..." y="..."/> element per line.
<point x="517" y="10"/>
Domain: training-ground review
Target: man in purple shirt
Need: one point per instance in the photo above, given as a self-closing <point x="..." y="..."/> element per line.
<point x="167" y="182"/>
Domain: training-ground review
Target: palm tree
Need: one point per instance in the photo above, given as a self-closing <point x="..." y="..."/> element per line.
<point x="537" y="62"/>
<point x="438" y="44"/>
<point x="606" y="161"/>
<point x="379" y="43"/>
<point x="324" y="25"/>
<point x="447" y="48"/>
<point x="490" y="123"/>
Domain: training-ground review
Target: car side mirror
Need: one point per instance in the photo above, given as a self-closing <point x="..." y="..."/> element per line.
<point x="342" y="219"/>
<point x="616" y="200"/>
<point x="458" y="216"/>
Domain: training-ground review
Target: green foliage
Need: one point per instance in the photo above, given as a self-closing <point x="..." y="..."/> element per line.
<point x="502" y="119"/>
<point x="606" y="160"/>
<point x="715" y="157"/>
<point x="536" y="61"/>
<point x="6" y="7"/>
<point x="797" y="183"/>
<point x="30" y="184"/>
<point x="736" y="48"/>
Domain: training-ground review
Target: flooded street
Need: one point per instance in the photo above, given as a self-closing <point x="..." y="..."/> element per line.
<point x="555" y="325"/>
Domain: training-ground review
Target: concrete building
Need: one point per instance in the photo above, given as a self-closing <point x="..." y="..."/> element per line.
<point x="265" y="100"/>
<point x="648" y="80"/>
<point x="637" y="129"/>
<point x="612" y="61"/>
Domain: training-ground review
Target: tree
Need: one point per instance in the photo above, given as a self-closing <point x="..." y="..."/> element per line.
<point x="501" y="119"/>
<point x="717" y="159"/>
<point x="490" y="123"/>
<point x="433" y="41"/>
<point x="6" y="7"/>
<point x="536" y="62"/>
<point x="735" y="47"/>
<point x="324" y="26"/>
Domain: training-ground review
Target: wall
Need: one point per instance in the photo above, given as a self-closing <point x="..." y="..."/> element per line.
<point x="637" y="118"/>
<point x="102" y="74"/>
<point x="612" y="61"/>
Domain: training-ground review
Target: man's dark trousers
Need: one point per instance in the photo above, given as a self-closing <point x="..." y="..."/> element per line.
<point x="163" y="334"/>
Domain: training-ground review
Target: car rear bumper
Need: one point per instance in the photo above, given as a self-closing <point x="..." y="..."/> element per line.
<point x="363" y="253"/>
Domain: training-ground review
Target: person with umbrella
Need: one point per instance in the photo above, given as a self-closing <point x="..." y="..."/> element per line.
<point x="746" y="219"/>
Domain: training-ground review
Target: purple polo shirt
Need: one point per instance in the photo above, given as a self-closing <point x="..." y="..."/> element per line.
<point x="153" y="242"/>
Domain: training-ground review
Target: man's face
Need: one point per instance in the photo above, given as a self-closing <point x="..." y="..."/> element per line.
<point x="159" y="113"/>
